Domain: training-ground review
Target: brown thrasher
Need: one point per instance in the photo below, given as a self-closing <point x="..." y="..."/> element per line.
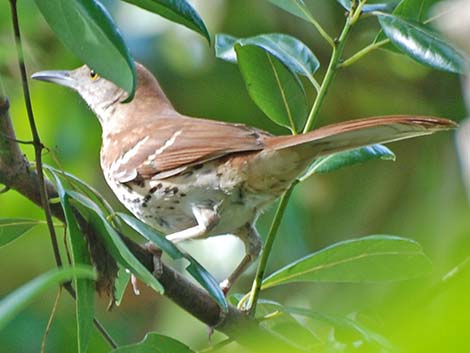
<point x="193" y="178"/>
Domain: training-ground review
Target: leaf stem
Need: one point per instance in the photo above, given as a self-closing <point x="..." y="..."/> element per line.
<point x="317" y="25"/>
<point x="314" y="82"/>
<point x="51" y="319"/>
<point x="320" y="30"/>
<point x="364" y="51"/>
<point x="338" y="47"/>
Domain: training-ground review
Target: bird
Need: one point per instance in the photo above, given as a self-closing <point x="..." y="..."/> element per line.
<point x="192" y="178"/>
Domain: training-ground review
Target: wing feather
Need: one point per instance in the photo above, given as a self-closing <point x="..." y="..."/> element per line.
<point x="170" y="144"/>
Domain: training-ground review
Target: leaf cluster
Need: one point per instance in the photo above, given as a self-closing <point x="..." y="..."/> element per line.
<point x="278" y="70"/>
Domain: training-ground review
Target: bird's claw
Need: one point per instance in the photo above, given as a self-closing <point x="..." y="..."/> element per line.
<point x="157" y="258"/>
<point x="135" y="287"/>
<point x="225" y="286"/>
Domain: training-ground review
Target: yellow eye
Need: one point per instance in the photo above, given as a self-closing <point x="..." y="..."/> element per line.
<point x="94" y="76"/>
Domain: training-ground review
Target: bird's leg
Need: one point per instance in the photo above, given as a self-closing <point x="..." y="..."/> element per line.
<point x="157" y="258"/>
<point x="206" y="218"/>
<point x="157" y="265"/>
<point x="253" y="245"/>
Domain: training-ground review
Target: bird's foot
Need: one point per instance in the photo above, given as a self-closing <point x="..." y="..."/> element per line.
<point x="225" y="286"/>
<point x="135" y="287"/>
<point x="157" y="258"/>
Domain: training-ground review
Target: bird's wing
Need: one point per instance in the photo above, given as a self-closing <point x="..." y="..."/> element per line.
<point x="166" y="146"/>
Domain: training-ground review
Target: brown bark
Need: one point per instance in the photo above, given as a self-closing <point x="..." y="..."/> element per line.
<point x="17" y="174"/>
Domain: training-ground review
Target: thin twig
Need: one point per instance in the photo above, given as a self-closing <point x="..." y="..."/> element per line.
<point x="38" y="146"/>
<point x="51" y="319"/>
<point x="21" y="142"/>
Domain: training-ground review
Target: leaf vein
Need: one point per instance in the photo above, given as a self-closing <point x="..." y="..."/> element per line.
<point x="339" y="262"/>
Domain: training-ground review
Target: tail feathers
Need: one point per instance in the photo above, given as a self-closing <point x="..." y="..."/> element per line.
<point x="362" y="132"/>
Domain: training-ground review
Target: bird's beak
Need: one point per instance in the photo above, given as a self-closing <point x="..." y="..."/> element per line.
<point x="62" y="78"/>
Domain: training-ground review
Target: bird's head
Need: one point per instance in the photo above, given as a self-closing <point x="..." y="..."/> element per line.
<point x="98" y="92"/>
<point x="105" y="97"/>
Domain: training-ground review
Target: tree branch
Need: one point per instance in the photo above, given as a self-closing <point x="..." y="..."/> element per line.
<point x="17" y="174"/>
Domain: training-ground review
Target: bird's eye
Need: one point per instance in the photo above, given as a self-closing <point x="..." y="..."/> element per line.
<point x="94" y="76"/>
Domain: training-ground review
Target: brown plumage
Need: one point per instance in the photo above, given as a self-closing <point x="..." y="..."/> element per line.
<point x="193" y="178"/>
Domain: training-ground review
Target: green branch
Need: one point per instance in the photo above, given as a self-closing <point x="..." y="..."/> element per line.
<point x="338" y="47"/>
<point x="332" y="67"/>
<point x="253" y="298"/>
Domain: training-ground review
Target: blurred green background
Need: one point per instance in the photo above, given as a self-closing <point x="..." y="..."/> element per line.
<point x="420" y="196"/>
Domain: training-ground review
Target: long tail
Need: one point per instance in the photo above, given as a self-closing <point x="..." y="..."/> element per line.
<point x="362" y="132"/>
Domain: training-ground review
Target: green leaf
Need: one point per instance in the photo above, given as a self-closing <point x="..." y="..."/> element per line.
<point x="179" y="11"/>
<point x="85" y="288"/>
<point x="17" y="300"/>
<point x="291" y="330"/>
<point x="198" y="272"/>
<point x="81" y="185"/>
<point x="345" y="3"/>
<point x="112" y="240"/>
<point x="413" y="10"/>
<point x="295" y="7"/>
<point x="225" y="47"/>
<point x="376" y="258"/>
<point x="343" y="159"/>
<point x="276" y="319"/>
<point x="155" y="343"/>
<point x="267" y="307"/>
<point x="289" y="50"/>
<point x="421" y="44"/>
<point x="12" y="228"/>
<point x="86" y="28"/>
<point x="273" y="87"/>
<point x="344" y="323"/>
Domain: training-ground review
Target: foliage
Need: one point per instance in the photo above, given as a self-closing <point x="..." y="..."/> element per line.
<point x="280" y="72"/>
<point x="13" y="228"/>
<point x="154" y="343"/>
<point x="374" y="258"/>
<point x="21" y="297"/>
